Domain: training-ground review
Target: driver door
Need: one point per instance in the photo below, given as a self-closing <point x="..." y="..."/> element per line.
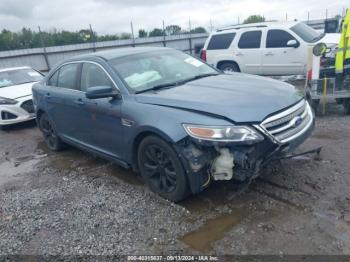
<point x="105" y="130"/>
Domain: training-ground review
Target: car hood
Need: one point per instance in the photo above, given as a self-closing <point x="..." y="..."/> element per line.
<point x="330" y="39"/>
<point x="238" y="97"/>
<point x="16" y="91"/>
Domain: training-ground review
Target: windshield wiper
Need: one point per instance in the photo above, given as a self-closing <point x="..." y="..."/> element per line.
<point x="201" y="76"/>
<point x="318" y="37"/>
<point x="177" y="83"/>
<point x="157" y="87"/>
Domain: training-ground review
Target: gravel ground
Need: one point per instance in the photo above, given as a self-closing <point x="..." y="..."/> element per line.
<point x="71" y="203"/>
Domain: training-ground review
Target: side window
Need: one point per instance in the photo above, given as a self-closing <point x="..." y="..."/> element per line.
<point x="221" y="41"/>
<point x="250" y="39"/>
<point x="278" y="38"/>
<point x="93" y="75"/>
<point x="68" y="76"/>
<point x="53" y="79"/>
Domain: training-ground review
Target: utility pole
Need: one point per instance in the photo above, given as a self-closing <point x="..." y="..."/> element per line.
<point x="164" y="40"/>
<point x="92" y="38"/>
<point x="44" y="48"/>
<point x="326" y="13"/>
<point x="211" y="25"/>
<point x="132" y="34"/>
<point x="190" y="38"/>
<point x="308" y="17"/>
<point x="286" y="16"/>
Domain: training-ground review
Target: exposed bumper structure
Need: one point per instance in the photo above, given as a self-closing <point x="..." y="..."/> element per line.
<point x="283" y="133"/>
<point x="22" y="111"/>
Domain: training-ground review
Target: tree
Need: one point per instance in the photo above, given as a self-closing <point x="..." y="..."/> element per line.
<point x="156" y="32"/>
<point x="173" y="29"/>
<point x="125" y="36"/>
<point x="142" y="33"/>
<point x="254" y="19"/>
<point x="198" y="30"/>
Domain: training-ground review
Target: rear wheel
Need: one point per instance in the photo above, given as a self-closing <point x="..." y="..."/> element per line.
<point x="229" y="67"/>
<point x="346" y="104"/>
<point x="162" y="170"/>
<point x="51" y="138"/>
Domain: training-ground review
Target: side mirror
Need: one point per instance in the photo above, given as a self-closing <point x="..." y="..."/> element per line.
<point x="101" y="92"/>
<point x="319" y="49"/>
<point x="293" y="43"/>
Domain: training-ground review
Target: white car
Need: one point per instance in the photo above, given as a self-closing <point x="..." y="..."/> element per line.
<point x="16" y="104"/>
<point x="270" y="48"/>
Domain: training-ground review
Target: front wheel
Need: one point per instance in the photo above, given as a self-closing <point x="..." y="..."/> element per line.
<point x="346" y="104"/>
<point x="161" y="169"/>
<point x="51" y="138"/>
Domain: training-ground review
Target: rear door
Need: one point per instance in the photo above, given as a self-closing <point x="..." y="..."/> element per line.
<point x="248" y="52"/>
<point x="104" y="114"/>
<point x="278" y="58"/>
<point x="218" y="48"/>
<point x="65" y="103"/>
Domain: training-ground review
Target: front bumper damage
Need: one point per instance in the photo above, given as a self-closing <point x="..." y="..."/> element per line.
<point x="207" y="161"/>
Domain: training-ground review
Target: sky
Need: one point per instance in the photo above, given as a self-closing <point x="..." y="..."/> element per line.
<point x="114" y="16"/>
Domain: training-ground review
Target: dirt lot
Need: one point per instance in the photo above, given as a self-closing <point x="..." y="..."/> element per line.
<point x="73" y="203"/>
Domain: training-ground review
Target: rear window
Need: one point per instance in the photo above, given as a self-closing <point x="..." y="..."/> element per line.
<point x="250" y="39"/>
<point x="221" y="41"/>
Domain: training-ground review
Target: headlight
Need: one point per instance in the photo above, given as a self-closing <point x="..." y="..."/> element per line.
<point x="7" y="101"/>
<point x="224" y="133"/>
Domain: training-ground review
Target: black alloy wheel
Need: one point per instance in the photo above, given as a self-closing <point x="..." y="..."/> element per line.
<point x="161" y="168"/>
<point x="50" y="136"/>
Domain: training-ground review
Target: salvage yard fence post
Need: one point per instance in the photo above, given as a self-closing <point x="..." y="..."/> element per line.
<point x="44" y="49"/>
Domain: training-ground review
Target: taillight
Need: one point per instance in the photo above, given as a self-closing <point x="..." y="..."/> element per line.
<point x="203" y="55"/>
<point x="309" y="75"/>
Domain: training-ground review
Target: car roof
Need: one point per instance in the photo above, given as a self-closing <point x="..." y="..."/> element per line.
<point x="14" y="68"/>
<point x="119" y="52"/>
<point x="281" y="24"/>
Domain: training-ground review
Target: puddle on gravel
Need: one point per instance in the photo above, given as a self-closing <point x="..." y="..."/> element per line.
<point x="212" y="230"/>
<point x="73" y="159"/>
<point x="13" y="168"/>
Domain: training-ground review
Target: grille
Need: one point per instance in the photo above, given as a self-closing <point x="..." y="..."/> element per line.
<point x="290" y="123"/>
<point x="28" y="106"/>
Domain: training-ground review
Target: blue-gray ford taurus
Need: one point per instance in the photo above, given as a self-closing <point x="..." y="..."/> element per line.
<point x="174" y="119"/>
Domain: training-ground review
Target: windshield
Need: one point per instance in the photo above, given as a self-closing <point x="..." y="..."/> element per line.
<point x="147" y="70"/>
<point x="307" y="33"/>
<point x="19" y="76"/>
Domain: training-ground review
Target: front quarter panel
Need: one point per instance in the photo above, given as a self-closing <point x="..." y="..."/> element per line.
<point x="163" y="121"/>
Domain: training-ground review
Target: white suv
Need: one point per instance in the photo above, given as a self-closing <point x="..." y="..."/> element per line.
<point x="270" y="48"/>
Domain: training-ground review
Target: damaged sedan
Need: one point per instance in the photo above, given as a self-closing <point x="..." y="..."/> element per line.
<point x="177" y="121"/>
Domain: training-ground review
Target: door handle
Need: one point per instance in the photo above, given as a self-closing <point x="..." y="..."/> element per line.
<point x="239" y="54"/>
<point x="79" y="101"/>
<point x="269" y="54"/>
<point x="47" y="96"/>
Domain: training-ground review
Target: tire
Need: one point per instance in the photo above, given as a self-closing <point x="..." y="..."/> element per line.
<point x="346" y="104"/>
<point x="229" y="67"/>
<point x="161" y="169"/>
<point x="315" y="105"/>
<point x="51" y="138"/>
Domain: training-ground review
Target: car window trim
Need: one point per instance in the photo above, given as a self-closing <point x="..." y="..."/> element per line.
<point x="81" y="62"/>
